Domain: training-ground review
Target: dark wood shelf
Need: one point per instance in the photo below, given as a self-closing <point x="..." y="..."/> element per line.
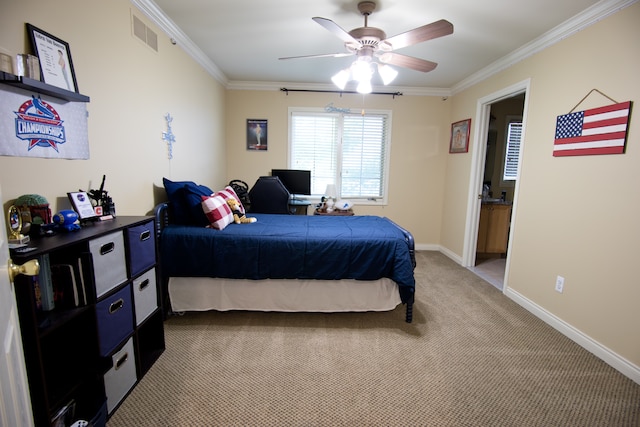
<point x="41" y="87"/>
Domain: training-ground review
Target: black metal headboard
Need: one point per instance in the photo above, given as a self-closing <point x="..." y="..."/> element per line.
<point x="161" y="212"/>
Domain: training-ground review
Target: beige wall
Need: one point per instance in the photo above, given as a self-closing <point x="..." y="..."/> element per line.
<point x="132" y="88"/>
<point x="576" y="216"/>
<point x="419" y="147"/>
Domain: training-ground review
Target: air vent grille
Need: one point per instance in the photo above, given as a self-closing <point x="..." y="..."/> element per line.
<point x="144" y="33"/>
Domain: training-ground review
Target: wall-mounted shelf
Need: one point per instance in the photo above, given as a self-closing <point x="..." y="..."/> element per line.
<point x="41" y="87"/>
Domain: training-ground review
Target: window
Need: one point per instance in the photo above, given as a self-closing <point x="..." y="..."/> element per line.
<point x="512" y="149"/>
<point x="347" y="149"/>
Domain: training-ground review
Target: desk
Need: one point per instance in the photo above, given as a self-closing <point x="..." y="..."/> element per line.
<point x="299" y="207"/>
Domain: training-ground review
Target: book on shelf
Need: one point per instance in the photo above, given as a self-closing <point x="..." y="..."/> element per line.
<point x="37" y="293"/>
<point x="82" y="282"/>
<point x="45" y="283"/>
<point x="68" y="285"/>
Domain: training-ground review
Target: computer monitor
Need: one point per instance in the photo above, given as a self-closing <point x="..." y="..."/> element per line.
<point x="298" y="182"/>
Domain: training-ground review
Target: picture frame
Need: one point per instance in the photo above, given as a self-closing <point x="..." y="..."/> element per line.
<point x="81" y="203"/>
<point x="460" y="132"/>
<point x="56" y="65"/>
<point x="257" y="136"/>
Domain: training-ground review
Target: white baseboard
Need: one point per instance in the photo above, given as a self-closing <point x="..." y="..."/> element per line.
<point x="614" y="360"/>
<point x="427" y="247"/>
<point x="455" y="257"/>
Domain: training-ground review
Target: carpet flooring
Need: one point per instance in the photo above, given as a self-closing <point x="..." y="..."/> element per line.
<point x="471" y="357"/>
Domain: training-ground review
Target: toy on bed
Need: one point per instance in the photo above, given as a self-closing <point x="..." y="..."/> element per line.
<point x="238" y="216"/>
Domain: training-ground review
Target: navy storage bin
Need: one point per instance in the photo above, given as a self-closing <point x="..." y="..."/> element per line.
<point x="115" y="320"/>
<point x="141" y="248"/>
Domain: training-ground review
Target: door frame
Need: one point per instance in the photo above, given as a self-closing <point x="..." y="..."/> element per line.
<point x="15" y="403"/>
<point x="479" y="152"/>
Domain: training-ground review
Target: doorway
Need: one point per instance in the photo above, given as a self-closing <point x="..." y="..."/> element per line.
<point x="494" y="113"/>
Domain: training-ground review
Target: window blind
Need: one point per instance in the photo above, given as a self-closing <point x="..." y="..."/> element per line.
<point x="349" y="150"/>
<point x="512" y="151"/>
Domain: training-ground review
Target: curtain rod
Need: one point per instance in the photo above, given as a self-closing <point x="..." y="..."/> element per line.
<point x="284" y="89"/>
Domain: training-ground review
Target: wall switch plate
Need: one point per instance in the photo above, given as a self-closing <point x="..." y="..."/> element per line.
<point x="559" y="284"/>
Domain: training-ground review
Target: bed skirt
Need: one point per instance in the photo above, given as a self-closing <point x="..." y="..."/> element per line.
<point x="289" y="295"/>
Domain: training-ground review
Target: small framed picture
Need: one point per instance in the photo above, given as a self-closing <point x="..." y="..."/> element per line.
<point x="257" y="135"/>
<point x="81" y="203"/>
<point x="460" y="136"/>
<point x="55" y="59"/>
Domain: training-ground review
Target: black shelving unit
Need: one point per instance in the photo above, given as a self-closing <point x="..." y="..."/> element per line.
<point x="62" y="346"/>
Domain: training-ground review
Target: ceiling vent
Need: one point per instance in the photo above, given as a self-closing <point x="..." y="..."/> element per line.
<point x="144" y="33"/>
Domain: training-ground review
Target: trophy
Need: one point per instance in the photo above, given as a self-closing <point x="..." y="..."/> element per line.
<point x="14" y="217"/>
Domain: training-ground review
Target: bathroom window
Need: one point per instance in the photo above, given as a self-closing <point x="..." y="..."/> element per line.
<point x="512" y="149"/>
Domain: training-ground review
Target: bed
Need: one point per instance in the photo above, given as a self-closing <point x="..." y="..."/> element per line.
<point x="287" y="263"/>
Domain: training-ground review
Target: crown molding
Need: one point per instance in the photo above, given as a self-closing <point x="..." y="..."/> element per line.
<point x="178" y="37"/>
<point x="571" y="26"/>
<point x="582" y="20"/>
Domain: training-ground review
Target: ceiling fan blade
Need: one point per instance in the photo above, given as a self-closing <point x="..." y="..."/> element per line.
<point x="326" y="55"/>
<point x="417" y="35"/>
<point x="336" y="30"/>
<point x="407" y="62"/>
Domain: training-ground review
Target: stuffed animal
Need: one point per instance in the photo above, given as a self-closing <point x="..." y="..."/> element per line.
<point x="238" y="217"/>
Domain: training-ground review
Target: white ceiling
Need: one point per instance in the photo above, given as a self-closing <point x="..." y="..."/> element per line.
<point x="241" y="40"/>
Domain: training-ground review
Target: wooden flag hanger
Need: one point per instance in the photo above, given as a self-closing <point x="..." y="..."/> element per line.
<point x="587" y="95"/>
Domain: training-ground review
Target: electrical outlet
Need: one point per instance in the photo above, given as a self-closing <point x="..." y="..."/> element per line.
<point x="559" y="284"/>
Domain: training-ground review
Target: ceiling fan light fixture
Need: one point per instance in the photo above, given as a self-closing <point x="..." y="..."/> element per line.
<point x="364" y="87"/>
<point x="361" y="70"/>
<point x="387" y="73"/>
<point x="341" y="78"/>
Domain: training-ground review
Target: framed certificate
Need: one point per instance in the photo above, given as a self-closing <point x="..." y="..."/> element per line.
<point x="55" y="59"/>
<point x="82" y="205"/>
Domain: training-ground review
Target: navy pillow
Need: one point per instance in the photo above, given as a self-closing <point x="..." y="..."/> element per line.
<point x="186" y="198"/>
<point x="193" y="198"/>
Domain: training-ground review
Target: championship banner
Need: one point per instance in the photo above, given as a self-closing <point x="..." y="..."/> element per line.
<point x="34" y="125"/>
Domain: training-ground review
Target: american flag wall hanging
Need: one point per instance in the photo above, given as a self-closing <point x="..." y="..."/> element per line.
<point x="600" y="130"/>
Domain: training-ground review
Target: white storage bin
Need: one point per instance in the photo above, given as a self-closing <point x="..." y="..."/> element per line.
<point x="121" y="377"/>
<point x="109" y="265"/>
<point x="144" y="295"/>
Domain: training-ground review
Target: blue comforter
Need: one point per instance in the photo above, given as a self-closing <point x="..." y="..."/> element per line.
<point x="292" y="247"/>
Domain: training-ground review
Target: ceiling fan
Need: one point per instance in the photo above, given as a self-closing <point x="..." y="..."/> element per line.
<point x="369" y="43"/>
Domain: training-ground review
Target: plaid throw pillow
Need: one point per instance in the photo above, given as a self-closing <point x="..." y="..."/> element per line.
<point x="217" y="211"/>
<point x="229" y="192"/>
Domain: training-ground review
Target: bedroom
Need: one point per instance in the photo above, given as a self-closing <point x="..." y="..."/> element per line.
<point x="567" y="227"/>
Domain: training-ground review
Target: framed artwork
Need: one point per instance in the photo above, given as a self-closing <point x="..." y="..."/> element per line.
<point x="55" y="59"/>
<point x="460" y="136"/>
<point x="257" y="138"/>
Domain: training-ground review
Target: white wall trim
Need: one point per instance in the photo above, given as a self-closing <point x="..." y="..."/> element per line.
<point x="452" y="255"/>
<point x="582" y="20"/>
<point x="613" y="359"/>
<point x="155" y="14"/>
<point x="427" y="247"/>
<point x="610" y="357"/>
<point x="483" y="110"/>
